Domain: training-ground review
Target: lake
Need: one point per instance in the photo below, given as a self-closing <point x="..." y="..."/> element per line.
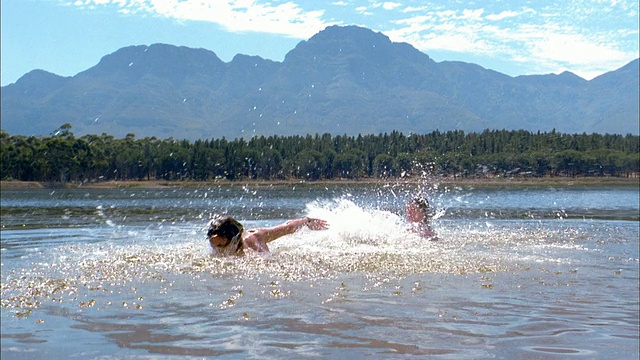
<point x="517" y="272"/>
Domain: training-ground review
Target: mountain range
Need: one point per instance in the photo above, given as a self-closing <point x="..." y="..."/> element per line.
<point x="343" y="80"/>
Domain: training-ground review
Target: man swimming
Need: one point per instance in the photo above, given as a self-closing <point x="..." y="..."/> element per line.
<point x="417" y="212"/>
<point x="227" y="236"/>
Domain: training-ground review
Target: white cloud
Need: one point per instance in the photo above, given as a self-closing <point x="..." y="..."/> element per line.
<point x="507" y="14"/>
<point x="363" y="10"/>
<point x="563" y="45"/>
<point x="450" y="30"/>
<point x="549" y="39"/>
<point x="565" y="48"/>
<point x="584" y="36"/>
<point x="457" y="42"/>
<point x="390" y="5"/>
<point x="472" y="14"/>
<point x="446" y="14"/>
<point x="409" y="9"/>
<point x="237" y="16"/>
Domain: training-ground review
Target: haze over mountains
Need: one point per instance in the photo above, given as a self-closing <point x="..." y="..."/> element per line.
<point x="343" y="80"/>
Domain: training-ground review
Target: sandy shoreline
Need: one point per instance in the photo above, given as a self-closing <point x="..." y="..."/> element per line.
<point x="159" y="184"/>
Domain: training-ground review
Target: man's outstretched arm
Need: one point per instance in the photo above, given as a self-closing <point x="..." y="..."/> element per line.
<point x="269" y="234"/>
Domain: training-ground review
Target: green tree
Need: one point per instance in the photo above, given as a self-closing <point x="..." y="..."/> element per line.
<point x="384" y="166"/>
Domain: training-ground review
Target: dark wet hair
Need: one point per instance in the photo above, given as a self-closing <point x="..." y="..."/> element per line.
<point x="225" y="226"/>
<point x="421" y="202"/>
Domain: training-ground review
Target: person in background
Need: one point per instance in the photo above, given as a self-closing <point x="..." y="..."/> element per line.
<point x="228" y="237"/>
<point x="417" y="212"/>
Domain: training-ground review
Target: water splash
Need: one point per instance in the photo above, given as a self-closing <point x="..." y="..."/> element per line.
<point x="362" y="240"/>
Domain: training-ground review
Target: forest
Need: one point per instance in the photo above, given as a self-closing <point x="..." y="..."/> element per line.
<point x="63" y="157"/>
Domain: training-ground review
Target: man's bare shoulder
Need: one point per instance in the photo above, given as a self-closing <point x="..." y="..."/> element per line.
<point x="254" y="240"/>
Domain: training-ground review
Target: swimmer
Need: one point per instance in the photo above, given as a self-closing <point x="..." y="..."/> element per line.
<point x="418" y="217"/>
<point x="227" y="236"/>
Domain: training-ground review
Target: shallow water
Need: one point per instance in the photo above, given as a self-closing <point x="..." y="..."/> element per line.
<point x="532" y="272"/>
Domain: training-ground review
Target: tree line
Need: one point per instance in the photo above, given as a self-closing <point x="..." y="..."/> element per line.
<point x="63" y="157"/>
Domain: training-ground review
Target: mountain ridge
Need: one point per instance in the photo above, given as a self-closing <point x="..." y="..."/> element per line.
<point x="343" y="80"/>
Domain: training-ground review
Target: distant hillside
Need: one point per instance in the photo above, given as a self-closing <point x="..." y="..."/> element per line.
<point x="343" y="80"/>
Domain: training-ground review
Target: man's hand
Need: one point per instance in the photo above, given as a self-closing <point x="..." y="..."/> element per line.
<point x="317" y="224"/>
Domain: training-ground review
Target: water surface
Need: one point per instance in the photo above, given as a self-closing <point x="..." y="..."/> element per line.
<point x="535" y="272"/>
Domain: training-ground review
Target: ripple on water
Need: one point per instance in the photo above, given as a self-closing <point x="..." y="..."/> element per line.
<point x="557" y="350"/>
<point x="361" y="241"/>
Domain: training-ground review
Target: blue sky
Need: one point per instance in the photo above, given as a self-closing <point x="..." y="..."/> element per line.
<point x="515" y="37"/>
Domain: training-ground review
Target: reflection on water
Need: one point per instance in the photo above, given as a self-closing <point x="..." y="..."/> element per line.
<point x="516" y="273"/>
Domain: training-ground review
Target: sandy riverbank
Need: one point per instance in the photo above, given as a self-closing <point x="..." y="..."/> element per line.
<point x="151" y="184"/>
